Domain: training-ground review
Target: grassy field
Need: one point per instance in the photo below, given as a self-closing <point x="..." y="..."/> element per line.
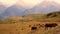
<point x="20" y="25"/>
<point x="23" y="28"/>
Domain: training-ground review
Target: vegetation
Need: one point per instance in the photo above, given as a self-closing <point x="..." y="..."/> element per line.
<point x="51" y="17"/>
<point x="20" y="25"/>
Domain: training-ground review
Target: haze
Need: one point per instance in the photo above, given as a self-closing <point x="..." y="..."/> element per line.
<point x="24" y="3"/>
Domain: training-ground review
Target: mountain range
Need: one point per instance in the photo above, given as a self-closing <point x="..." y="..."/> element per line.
<point x="45" y="7"/>
<point x="42" y="8"/>
<point x="12" y="11"/>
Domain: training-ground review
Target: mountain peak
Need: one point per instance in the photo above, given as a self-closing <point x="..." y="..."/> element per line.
<point x="44" y="8"/>
<point x="13" y="11"/>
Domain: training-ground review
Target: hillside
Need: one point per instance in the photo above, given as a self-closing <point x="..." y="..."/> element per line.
<point x="24" y="24"/>
<point x="50" y="17"/>
<point x="53" y="14"/>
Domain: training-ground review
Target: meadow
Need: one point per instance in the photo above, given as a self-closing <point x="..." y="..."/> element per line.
<point x="20" y="25"/>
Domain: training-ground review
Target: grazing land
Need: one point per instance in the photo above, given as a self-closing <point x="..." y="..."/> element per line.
<point x="27" y="24"/>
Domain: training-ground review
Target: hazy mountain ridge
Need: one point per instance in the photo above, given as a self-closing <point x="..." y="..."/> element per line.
<point x="44" y="7"/>
<point x="2" y="8"/>
<point x="13" y="11"/>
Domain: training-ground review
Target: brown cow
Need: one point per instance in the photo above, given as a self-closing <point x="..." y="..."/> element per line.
<point x="50" y="25"/>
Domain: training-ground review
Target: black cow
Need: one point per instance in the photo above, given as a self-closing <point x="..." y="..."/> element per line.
<point x="50" y="25"/>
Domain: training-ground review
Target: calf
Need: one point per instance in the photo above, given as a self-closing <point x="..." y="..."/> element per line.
<point x="50" y="25"/>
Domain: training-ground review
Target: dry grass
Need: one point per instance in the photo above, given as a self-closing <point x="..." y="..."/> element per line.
<point x="23" y="28"/>
<point x="20" y="25"/>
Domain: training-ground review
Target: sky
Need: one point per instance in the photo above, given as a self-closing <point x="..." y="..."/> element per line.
<point x="8" y="2"/>
<point x="24" y="3"/>
<point x="29" y="3"/>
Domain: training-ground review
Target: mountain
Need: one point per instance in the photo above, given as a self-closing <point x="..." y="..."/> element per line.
<point x="44" y="7"/>
<point x="2" y="8"/>
<point x="14" y="10"/>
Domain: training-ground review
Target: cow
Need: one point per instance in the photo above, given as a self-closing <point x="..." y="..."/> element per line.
<point x="50" y="25"/>
<point x="33" y="28"/>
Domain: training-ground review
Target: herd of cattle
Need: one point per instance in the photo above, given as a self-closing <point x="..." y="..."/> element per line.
<point x="46" y="26"/>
